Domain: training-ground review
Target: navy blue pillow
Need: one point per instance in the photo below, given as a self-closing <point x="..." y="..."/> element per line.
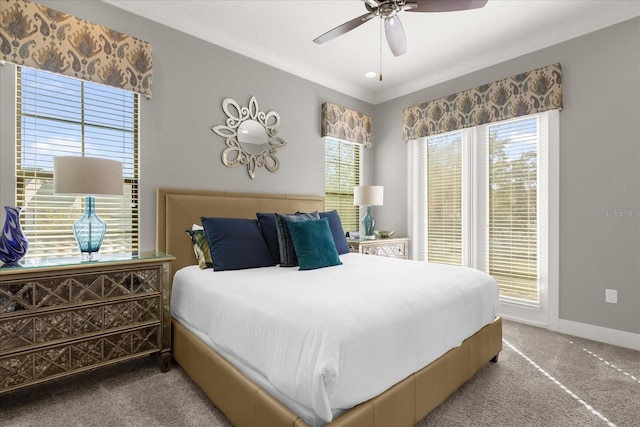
<point x="313" y="243"/>
<point x="236" y="243"/>
<point x="336" y="231"/>
<point x="288" y="256"/>
<point x="269" y="231"/>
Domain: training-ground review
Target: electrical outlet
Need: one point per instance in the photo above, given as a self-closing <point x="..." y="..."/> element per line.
<point x="611" y="296"/>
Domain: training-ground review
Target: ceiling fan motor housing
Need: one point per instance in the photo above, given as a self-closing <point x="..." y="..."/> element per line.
<point x="385" y="9"/>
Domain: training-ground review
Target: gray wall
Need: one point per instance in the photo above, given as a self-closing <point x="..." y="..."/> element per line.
<point x="599" y="168"/>
<point x="599" y="152"/>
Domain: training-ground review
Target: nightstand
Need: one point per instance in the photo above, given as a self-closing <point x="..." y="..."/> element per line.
<point x="394" y="247"/>
<point x="59" y="317"/>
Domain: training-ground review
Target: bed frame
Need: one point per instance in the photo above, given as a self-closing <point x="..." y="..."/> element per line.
<point x="247" y="404"/>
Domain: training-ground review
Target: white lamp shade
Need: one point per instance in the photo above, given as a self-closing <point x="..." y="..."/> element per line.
<point x="368" y="195"/>
<point x="87" y="175"/>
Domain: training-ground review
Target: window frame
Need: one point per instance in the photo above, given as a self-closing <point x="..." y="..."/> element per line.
<point x="128" y="239"/>
<point x="474" y="185"/>
<point x="347" y="224"/>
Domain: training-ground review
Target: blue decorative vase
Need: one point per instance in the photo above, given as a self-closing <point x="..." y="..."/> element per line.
<point x="13" y="242"/>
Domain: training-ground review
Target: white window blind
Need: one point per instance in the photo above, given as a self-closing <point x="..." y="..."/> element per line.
<point x="58" y="115"/>
<point x="342" y="174"/>
<point x="513" y="223"/>
<point x="444" y="198"/>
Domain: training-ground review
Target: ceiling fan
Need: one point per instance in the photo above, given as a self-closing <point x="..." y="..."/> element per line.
<point x="388" y="10"/>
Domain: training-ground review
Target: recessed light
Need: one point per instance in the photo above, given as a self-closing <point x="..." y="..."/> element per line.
<point x="370" y="74"/>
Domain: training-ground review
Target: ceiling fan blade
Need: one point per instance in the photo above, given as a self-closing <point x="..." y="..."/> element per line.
<point x="445" y="5"/>
<point x="395" y="35"/>
<point x="344" y="28"/>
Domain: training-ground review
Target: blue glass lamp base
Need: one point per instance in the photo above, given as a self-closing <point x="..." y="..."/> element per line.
<point x="89" y="231"/>
<point x="368" y="224"/>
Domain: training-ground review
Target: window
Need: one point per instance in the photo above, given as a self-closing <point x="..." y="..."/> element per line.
<point x="444" y="193"/>
<point x="481" y="199"/>
<point x="513" y="214"/>
<point x="342" y="174"/>
<point x="58" y="115"/>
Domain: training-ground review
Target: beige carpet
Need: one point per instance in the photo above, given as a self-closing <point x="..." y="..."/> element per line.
<point x="542" y="379"/>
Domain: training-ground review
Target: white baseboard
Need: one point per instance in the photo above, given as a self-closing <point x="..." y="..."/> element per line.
<point x="569" y="327"/>
<point x="600" y="334"/>
<point x="526" y="321"/>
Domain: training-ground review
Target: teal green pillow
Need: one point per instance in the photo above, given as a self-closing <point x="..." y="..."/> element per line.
<point x="313" y="243"/>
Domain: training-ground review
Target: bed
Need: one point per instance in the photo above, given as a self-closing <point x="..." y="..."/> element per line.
<point x="243" y="396"/>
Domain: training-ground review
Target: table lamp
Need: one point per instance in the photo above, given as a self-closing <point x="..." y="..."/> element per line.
<point x="368" y="195"/>
<point x="87" y="176"/>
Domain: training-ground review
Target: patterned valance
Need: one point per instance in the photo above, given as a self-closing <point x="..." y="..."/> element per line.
<point x="39" y="37"/>
<point x="527" y="93"/>
<point x="345" y="124"/>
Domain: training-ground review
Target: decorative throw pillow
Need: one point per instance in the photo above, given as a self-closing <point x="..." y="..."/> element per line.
<point x="200" y="247"/>
<point x="335" y="224"/>
<point x="236" y="243"/>
<point x="269" y="231"/>
<point x="287" y="251"/>
<point x="313" y="243"/>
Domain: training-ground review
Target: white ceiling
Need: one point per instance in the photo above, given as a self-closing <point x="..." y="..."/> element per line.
<point x="440" y="46"/>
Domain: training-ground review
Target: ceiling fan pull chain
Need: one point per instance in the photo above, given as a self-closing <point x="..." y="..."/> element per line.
<point x="380" y="74"/>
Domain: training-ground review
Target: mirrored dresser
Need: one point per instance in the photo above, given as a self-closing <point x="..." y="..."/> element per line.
<point x="63" y="316"/>
<point x="394" y="247"/>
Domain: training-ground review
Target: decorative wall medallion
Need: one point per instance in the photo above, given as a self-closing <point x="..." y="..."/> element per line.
<point x="251" y="136"/>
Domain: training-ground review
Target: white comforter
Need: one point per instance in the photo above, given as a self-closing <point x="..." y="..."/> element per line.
<point x="334" y="337"/>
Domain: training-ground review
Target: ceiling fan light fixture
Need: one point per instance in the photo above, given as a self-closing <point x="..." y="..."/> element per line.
<point x="387" y="10"/>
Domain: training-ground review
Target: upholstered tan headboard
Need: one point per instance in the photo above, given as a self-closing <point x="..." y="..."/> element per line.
<point x="177" y="210"/>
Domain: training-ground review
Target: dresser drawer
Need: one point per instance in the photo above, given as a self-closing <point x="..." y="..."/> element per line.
<point x="35" y="366"/>
<point x="18" y="332"/>
<point x="389" y="250"/>
<point x="69" y="289"/>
